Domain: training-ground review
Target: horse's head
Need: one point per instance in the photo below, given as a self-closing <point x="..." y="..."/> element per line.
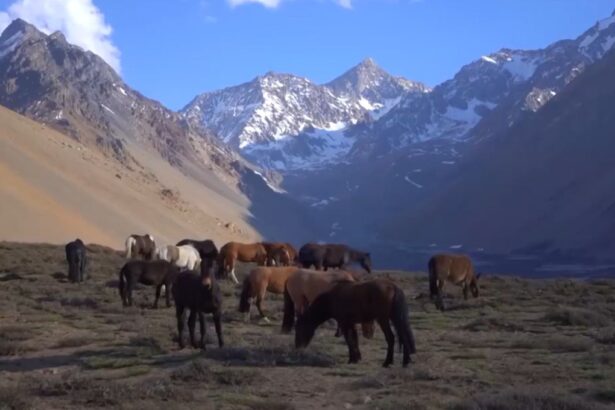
<point x="206" y="276"/>
<point x="304" y="332"/>
<point x="366" y="262"/>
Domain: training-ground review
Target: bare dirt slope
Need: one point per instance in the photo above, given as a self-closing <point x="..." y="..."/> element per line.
<point x="55" y="189"/>
<point x="524" y="344"/>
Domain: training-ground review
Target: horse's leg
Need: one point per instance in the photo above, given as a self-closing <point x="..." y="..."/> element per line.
<point x="179" y="313"/>
<point x="464" y="288"/>
<point x="129" y="284"/>
<point x="233" y="276"/>
<point x="158" y="289"/>
<point x="202" y="329"/>
<point x="167" y="292"/>
<point x="390" y="338"/>
<point x="218" y="326"/>
<point x="440" y="295"/>
<point x="191" y="324"/>
<point x="259" y="304"/>
<point x="355" y="342"/>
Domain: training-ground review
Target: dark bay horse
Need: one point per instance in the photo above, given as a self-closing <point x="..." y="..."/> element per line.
<point x="199" y="294"/>
<point x="76" y="256"/>
<point x="141" y="246"/>
<point x="303" y="286"/>
<point x="350" y="303"/>
<point x="151" y="273"/>
<point x="333" y="256"/>
<point x="207" y="249"/>
<point x="243" y="252"/>
<point x="457" y="269"/>
<point x="260" y="281"/>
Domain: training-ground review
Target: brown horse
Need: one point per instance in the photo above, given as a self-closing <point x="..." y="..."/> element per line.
<point x="260" y="281"/>
<point x="351" y="303"/>
<point x="304" y="286"/>
<point x="243" y="252"/>
<point x="457" y="269"/>
<point x="142" y="246"/>
<point x="199" y="294"/>
<point x="324" y="256"/>
<point x="279" y="253"/>
<point x="154" y="273"/>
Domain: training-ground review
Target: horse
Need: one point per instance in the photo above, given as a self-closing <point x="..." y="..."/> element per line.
<point x="207" y="249"/>
<point x="260" y="281"/>
<point x="457" y="269"/>
<point x="200" y="294"/>
<point x="151" y="273"/>
<point x="279" y="253"/>
<point x="76" y="256"/>
<point x="356" y="302"/>
<point x="332" y="256"/>
<point x="243" y="252"/>
<point x="184" y="257"/>
<point x="140" y="246"/>
<point x="304" y="286"/>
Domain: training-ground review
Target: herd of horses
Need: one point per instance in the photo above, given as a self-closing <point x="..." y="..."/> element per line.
<point x="315" y="281"/>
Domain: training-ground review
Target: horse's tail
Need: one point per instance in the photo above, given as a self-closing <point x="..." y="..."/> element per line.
<point x="433" y="279"/>
<point x="122" y="283"/>
<point x="401" y="321"/>
<point x="246" y="293"/>
<point x="289" y="312"/>
<point x="130" y="242"/>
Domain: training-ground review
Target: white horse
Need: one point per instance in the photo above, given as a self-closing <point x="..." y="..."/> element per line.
<point x="184" y="257"/>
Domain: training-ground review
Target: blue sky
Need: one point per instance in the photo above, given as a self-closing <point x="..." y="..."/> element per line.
<point x="172" y="50"/>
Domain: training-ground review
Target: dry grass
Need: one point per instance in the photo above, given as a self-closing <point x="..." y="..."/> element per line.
<point x="68" y="346"/>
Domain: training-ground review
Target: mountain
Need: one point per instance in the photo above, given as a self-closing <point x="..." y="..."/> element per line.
<point x="285" y="122"/>
<point x="76" y="93"/>
<point x="543" y="185"/>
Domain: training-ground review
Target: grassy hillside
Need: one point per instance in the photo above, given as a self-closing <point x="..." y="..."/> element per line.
<point x="522" y="344"/>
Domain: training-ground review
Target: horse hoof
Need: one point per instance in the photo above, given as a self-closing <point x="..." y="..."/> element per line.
<point x="266" y="319"/>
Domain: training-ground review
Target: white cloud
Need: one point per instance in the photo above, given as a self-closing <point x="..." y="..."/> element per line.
<point x="347" y="4"/>
<point x="81" y="22"/>
<point x="267" y="3"/>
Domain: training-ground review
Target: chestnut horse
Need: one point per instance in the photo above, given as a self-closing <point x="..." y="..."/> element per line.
<point x="457" y="269"/>
<point x="303" y="286"/>
<point x="243" y="252"/>
<point x="143" y="246"/>
<point x="350" y="303"/>
<point x="279" y="253"/>
<point x="260" y="281"/>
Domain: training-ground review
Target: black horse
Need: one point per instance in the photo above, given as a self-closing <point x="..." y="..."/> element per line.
<point x="76" y="256"/>
<point x="151" y="273"/>
<point x="333" y="256"/>
<point x="200" y="294"/>
<point x="207" y="249"/>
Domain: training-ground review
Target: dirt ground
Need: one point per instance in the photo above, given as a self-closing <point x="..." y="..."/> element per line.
<point x="523" y="344"/>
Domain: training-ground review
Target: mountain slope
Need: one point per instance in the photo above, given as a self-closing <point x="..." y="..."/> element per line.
<point x="286" y="122"/>
<point x="543" y="185"/>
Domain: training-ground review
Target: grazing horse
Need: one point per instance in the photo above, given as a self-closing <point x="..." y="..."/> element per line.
<point x="332" y="256"/>
<point x="243" y="252"/>
<point x="142" y="246"/>
<point x="200" y="294"/>
<point x="260" y="281"/>
<point x="304" y="286"/>
<point x="279" y="252"/>
<point x="151" y="273"/>
<point x="77" y="259"/>
<point x="184" y="257"/>
<point x="207" y="249"/>
<point x="350" y="303"/>
<point x="457" y="269"/>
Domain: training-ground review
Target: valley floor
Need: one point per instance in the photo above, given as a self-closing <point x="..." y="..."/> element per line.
<point x="522" y="344"/>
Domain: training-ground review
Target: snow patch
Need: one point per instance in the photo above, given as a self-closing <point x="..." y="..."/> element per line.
<point x="416" y="184"/>
<point x="456" y="246"/>
<point x="10" y="44"/>
<point x="488" y="59"/>
<point x="107" y="108"/>
<point x="59" y="115"/>
<point x="604" y="24"/>
<point x="521" y="68"/>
